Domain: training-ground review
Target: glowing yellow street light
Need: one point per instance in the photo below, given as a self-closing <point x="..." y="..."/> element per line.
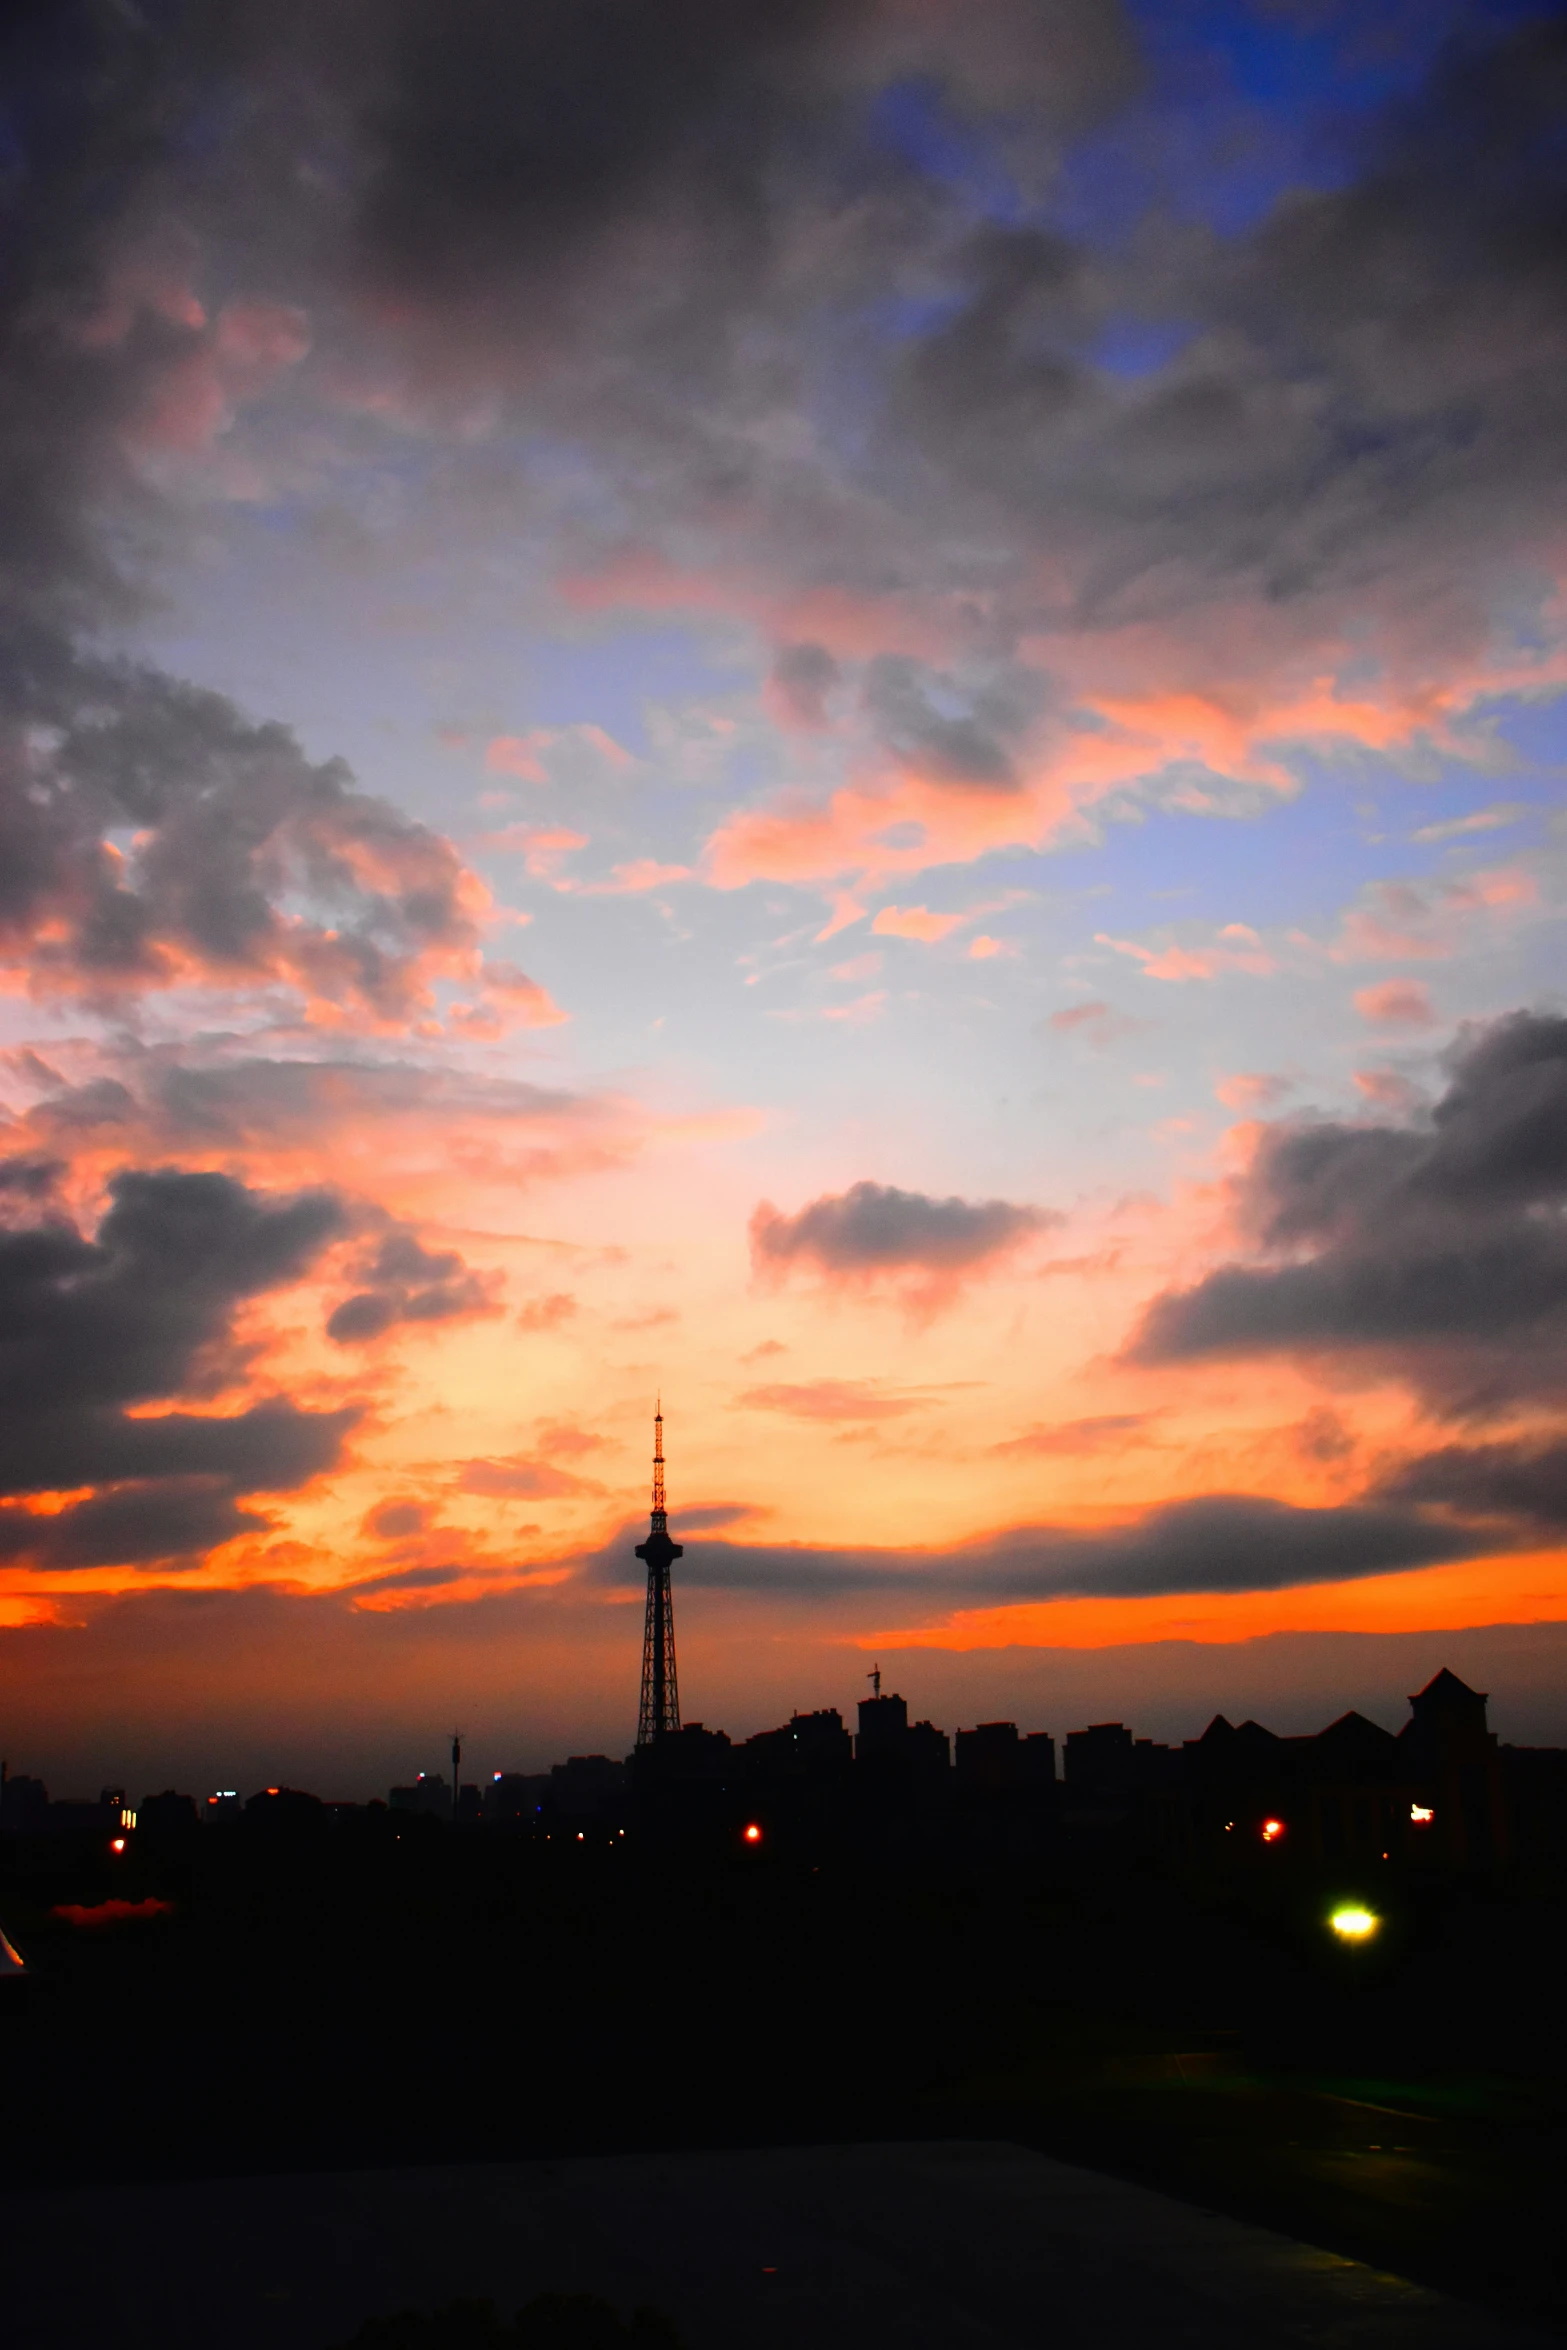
<point x="1352" y="1923"/>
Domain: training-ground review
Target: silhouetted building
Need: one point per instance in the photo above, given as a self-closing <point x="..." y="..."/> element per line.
<point x="1456" y="1774"/>
<point x="1100" y="1761"/>
<point x="807" y="1744"/>
<point x="929" y="1750"/>
<point x="590" y="1786"/>
<point x="689" y="1754"/>
<point x="285" y="1808"/>
<point x="168" y="1814"/>
<point x="24" y="1804"/>
<point x="989" y="1757"/>
<point x="884" y="1727"/>
<point x="430" y="1793"/>
<point x="517" y="1795"/>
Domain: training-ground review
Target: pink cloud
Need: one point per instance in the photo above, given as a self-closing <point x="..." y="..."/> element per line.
<point x="529" y="1005"/>
<point x="914" y="922"/>
<point x="542" y="847"/>
<point x="1252" y="1091"/>
<point x="846" y="911"/>
<point x="835" y="1399"/>
<point x="642" y="873"/>
<point x="1396" y="1003"/>
<point x="251" y="344"/>
<point x="517" y="754"/>
<point x="1387" y="1089"/>
<point x="548" y="1313"/>
<point x="522" y="755"/>
<point x="1098" y="1024"/>
<point x="1235" y="948"/>
<point x="982" y="948"/>
<point x="863" y="1010"/>
<point x="1407" y="921"/>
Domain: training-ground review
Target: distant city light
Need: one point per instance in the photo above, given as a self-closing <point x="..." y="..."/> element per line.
<point x="1421" y="1815"/>
<point x="1352" y="1923"/>
<point x="1272" y="1830"/>
<point x="117" y="1844"/>
<point x="753" y="1834"/>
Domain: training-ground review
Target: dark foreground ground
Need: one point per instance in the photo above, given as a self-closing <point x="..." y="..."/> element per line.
<point x="351" y="2003"/>
<point x="937" y="2246"/>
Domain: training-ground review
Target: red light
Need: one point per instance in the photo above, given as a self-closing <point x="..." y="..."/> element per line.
<point x="1272" y="1830"/>
<point x="117" y="1844"/>
<point x="753" y="1834"/>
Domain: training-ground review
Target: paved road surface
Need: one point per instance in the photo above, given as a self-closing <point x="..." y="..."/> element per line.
<point x="947" y="2246"/>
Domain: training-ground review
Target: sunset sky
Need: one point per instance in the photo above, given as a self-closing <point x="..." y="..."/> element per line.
<point x="852" y="707"/>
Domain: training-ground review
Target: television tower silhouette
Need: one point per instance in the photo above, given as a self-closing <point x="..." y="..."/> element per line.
<point x="659" y="1712"/>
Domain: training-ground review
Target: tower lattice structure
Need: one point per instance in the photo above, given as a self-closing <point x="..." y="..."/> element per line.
<point x="659" y="1712"/>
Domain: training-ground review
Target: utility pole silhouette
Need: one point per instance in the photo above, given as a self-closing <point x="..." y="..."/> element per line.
<point x="456" y="1770"/>
<point x="874" y="1678"/>
<point x="659" y="1712"/>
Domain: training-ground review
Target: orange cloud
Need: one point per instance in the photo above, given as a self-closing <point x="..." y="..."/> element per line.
<point x="1531" y="1588"/>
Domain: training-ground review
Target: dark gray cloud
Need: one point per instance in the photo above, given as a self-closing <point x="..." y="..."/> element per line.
<point x="1216" y="1543"/>
<point x="229" y="822"/>
<point x="172" y="1523"/>
<point x="1365" y="377"/>
<point x="1439" y="1248"/>
<point x="803" y="677"/>
<point x="875" y="1228"/>
<point x="1524" y="1482"/>
<point x="403" y="1281"/>
<point x="142" y="1313"/>
<point x="148" y="830"/>
<point x="951" y="733"/>
<point x="648" y="231"/>
<point x="503" y="143"/>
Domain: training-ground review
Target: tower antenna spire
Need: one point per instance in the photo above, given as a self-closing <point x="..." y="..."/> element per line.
<point x="659" y="1712"/>
<point x="658" y="1466"/>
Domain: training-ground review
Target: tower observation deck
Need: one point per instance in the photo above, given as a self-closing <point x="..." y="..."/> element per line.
<point x="659" y="1712"/>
